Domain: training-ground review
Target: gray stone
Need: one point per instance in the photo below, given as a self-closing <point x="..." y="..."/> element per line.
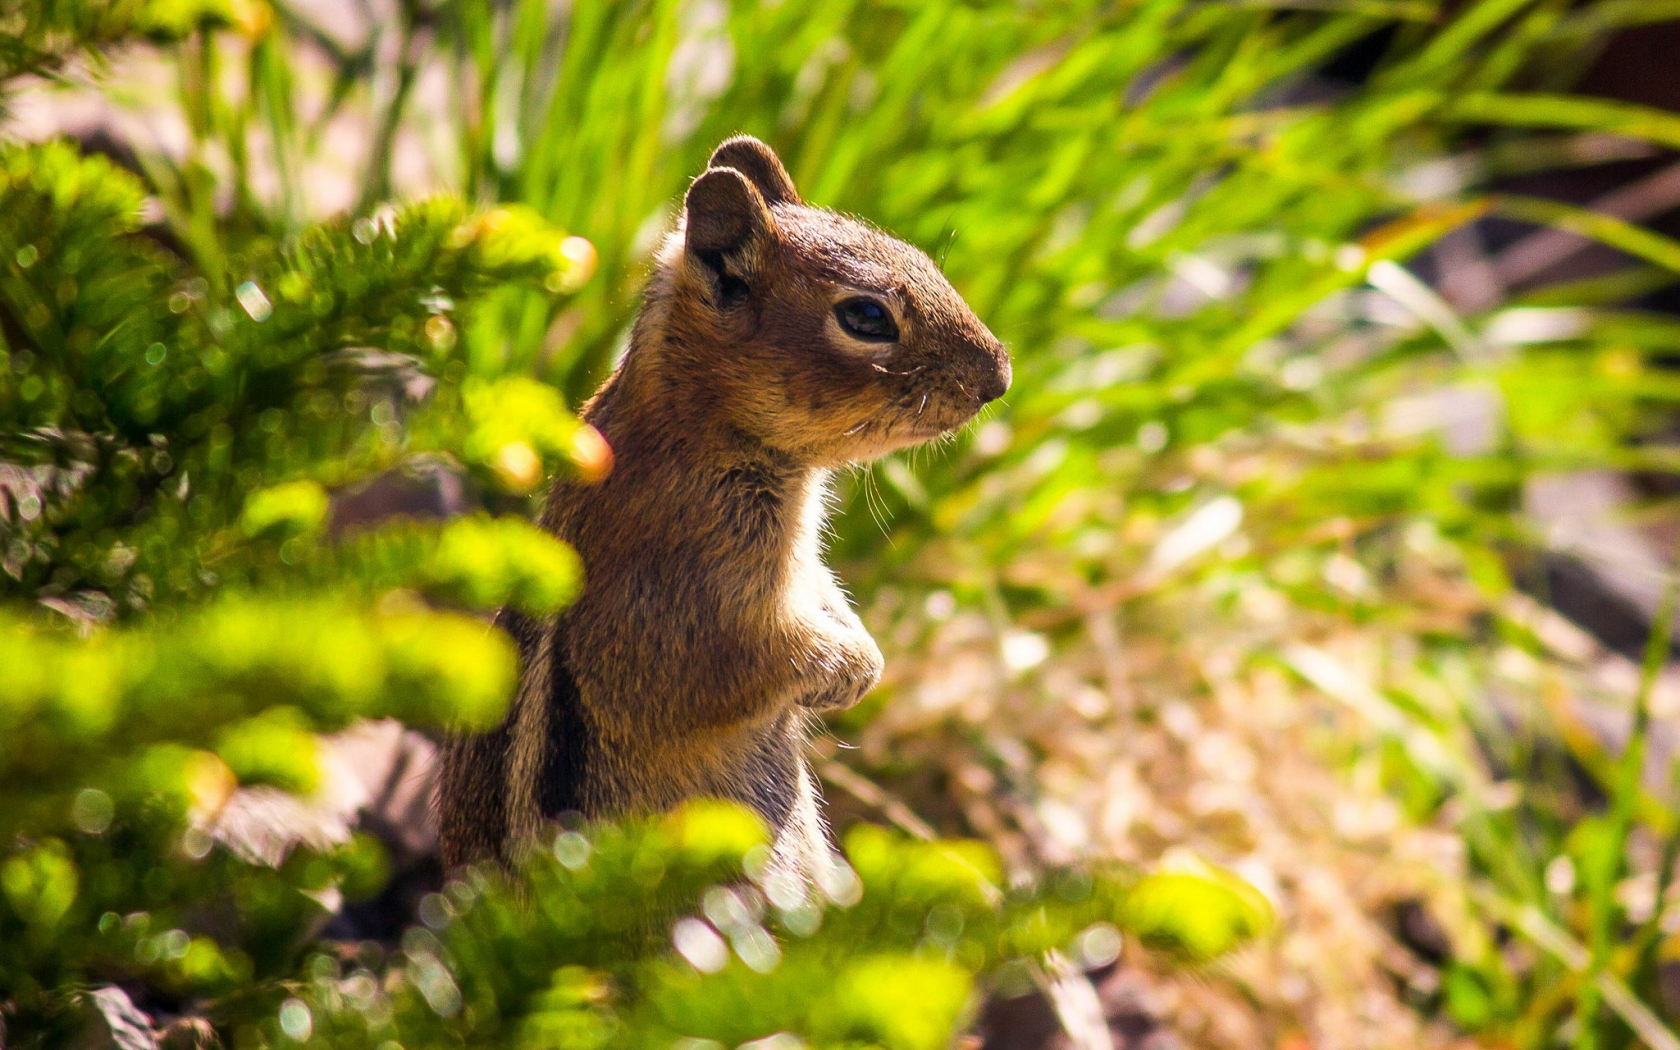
<point x="114" y="1023"/>
<point x="190" y="1033"/>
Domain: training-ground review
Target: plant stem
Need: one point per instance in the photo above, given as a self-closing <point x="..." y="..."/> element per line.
<point x="376" y="186"/>
<point x="1605" y="862"/>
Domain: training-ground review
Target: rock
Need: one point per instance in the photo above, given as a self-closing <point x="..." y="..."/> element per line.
<point x="1124" y="999"/>
<point x="114" y="1023"/>
<point x="1605" y="572"/>
<point x="190" y="1033"/>
<point x="421" y="489"/>
<point x="375" y="775"/>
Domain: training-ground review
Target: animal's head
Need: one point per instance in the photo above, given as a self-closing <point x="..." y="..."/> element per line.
<point x="810" y="331"/>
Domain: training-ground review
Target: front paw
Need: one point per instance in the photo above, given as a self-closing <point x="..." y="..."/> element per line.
<point x="849" y="682"/>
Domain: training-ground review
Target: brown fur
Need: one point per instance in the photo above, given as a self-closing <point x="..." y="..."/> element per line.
<point x="709" y="627"/>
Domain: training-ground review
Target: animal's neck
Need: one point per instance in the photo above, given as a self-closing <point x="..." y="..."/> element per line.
<point x="689" y="478"/>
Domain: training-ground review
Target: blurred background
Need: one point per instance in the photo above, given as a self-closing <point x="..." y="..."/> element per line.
<point x="1327" y="534"/>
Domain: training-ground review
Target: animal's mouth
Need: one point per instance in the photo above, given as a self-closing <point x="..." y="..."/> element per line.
<point x="915" y="430"/>
<point x="935" y="430"/>
<point x="911" y="420"/>
<point x="943" y="419"/>
<point x="883" y="436"/>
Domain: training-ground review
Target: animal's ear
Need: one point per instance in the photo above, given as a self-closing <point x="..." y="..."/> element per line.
<point x="727" y="229"/>
<point x="760" y="165"/>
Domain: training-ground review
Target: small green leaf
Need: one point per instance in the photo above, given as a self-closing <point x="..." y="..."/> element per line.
<point x="1467" y="1001"/>
<point x="41" y="884"/>
<point x="899" y="1002"/>
<point x="709" y="832"/>
<point x="490" y="562"/>
<point x="295" y="508"/>
<point x="276" y="747"/>
<point x="1201" y="912"/>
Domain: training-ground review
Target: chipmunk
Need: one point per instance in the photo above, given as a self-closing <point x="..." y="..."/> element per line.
<point x="776" y="342"/>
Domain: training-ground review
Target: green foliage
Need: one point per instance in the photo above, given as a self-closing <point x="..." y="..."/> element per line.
<point x="1203" y="913"/>
<point x="38" y="35"/>
<point x="583" y="953"/>
<point x="119" y="712"/>
<point x="174" y="438"/>
<point x="140" y="391"/>
<point x="1180" y="229"/>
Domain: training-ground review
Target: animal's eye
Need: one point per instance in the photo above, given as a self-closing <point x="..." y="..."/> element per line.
<point x="866" y="319"/>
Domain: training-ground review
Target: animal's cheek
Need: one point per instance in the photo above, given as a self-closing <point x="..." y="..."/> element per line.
<point x="823" y="402"/>
<point x="816" y="365"/>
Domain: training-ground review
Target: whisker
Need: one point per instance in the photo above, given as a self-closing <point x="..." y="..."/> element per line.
<point x="872" y="496"/>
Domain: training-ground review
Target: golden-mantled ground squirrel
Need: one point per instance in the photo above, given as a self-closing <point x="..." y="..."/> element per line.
<point x="777" y="341"/>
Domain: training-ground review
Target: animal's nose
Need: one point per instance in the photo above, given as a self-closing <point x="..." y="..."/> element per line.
<point x="997" y="384"/>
